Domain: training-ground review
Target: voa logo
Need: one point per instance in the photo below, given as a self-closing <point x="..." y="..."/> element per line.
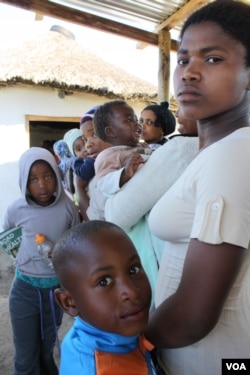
<point x="230" y="366"/>
<point x="236" y="366"/>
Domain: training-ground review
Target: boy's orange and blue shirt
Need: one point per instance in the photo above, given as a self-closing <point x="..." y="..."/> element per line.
<point x="87" y="350"/>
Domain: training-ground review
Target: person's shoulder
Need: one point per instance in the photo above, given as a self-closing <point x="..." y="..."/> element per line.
<point x="177" y="141"/>
<point x="113" y="149"/>
<point x="103" y="153"/>
<point x="17" y="203"/>
<point x="178" y="149"/>
<point x="236" y="143"/>
<point x="89" y="161"/>
<point x="66" y="201"/>
<point x="241" y="133"/>
<point x="182" y="136"/>
<point x="71" y="355"/>
<point x="107" y="153"/>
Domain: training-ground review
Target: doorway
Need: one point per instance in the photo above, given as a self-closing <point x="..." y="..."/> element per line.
<point x="41" y="131"/>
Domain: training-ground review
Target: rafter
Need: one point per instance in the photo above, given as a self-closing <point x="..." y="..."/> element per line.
<point x="65" y="13"/>
<point x="180" y="15"/>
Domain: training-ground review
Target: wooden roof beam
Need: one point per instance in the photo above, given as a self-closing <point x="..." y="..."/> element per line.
<point x="55" y="10"/>
<point x="66" y="13"/>
<point x="180" y="15"/>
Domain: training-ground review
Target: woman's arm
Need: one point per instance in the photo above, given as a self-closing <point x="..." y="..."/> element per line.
<point x="82" y="194"/>
<point x="194" y="309"/>
<point x="150" y="182"/>
<point x="84" y="168"/>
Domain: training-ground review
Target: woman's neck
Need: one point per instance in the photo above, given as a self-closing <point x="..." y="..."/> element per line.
<point x="214" y="128"/>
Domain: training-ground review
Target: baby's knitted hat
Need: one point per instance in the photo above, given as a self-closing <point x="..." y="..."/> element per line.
<point x="88" y="115"/>
<point x="61" y="149"/>
<point x="70" y="137"/>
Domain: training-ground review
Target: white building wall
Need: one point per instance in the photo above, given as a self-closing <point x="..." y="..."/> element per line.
<point x="20" y="101"/>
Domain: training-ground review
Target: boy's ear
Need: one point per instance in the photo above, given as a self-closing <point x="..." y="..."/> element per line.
<point x="110" y="133"/>
<point x="65" y="301"/>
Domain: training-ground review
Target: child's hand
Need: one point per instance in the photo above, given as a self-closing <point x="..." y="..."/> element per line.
<point x="144" y="144"/>
<point x="131" y="167"/>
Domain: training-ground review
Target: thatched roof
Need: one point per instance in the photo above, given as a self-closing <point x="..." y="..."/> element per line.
<point x="54" y="60"/>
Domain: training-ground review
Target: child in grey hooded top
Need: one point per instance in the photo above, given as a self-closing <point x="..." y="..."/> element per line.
<point x="44" y="209"/>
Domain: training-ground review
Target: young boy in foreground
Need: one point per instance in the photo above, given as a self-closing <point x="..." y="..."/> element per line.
<point x="105" y="287"/>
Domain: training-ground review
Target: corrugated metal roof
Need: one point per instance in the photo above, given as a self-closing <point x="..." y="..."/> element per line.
<point x="141" y="20"/>
<point x="143" y="14"/>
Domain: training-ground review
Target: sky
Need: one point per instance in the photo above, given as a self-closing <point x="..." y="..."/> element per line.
<point x="17" y="25"/>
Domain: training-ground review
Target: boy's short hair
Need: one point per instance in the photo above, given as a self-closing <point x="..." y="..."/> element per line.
<point x="66" y="250"/>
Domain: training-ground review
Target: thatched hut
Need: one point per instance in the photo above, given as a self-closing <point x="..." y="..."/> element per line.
<point x="59" y="62"/>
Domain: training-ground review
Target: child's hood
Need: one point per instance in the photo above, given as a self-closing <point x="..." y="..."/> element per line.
<point x="25" y="162"/>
